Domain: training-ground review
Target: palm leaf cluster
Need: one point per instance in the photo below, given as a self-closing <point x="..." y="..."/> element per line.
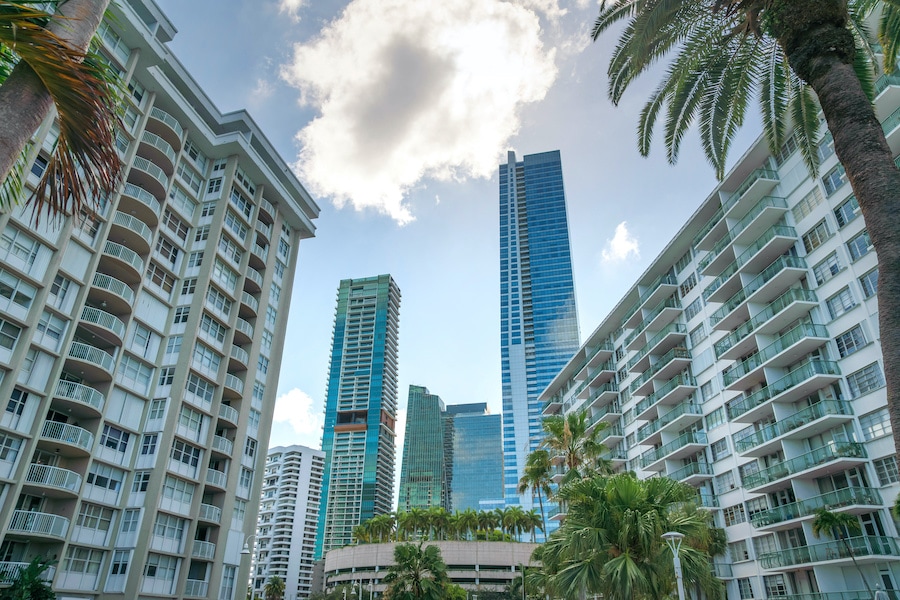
<point x="84" y="167"/>
<point x="418" y="574"/>
<point x="437" y="523"/>
<point x="610" y="541"/>
<point x="725" y="59"/>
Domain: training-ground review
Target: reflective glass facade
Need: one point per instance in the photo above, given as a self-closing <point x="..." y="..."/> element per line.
<point x="539" y="321"/>
<point x="360" y="409"/>
<point x="423" y="480"/>
<point x="475" y="455"/>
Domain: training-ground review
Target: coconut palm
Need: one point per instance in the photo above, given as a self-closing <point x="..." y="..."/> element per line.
<point x="574" y="439"/>
<point x="418" y="574"/>
<point x="838" y="526"/>
<point x="536" y="477"/>
<point x="53" y="69"/>
<point x="28" y="582"/>
<point x="610" y="542"/>
<point x="796" y="56"/>
<point x="274" y="588"/>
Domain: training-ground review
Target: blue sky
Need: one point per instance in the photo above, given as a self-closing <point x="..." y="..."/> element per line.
<point x="396" y="114"/>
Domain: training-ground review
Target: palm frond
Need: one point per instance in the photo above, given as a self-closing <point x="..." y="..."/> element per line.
<point x="889" y="35"/>
<point x="805" y="111"/>
<point x="609" y="15"/>
<point x="773" y="95"/>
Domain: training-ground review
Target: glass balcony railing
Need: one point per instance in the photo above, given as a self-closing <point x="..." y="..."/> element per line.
<point x="651" y="399"/>
<point x="804" y="508"/>
<point x="670" y="302"/>
<point x="782" y="263"/>
<point x="709" y="226"/>
<point x="775" y="307"/>
<point x="697" y="468"/>
<point x="691" y="437"/>
<point x="889" y="124"/>
<point x="864" y="545"/>
<point x="751" y="440"/>
<point x="668" y="329"/>
<point x="755" y="360"/>
<point x="685" y="408"/>
<point x="805" y="371"/>
<point x="747" y="184"/>
<point x="747" y="254"/>
<point x="884" y="81"/>
<point x="817" y="457"/>
<point x="656" y="367"/>
<point x="661" y="280"/>
<point x="767" y="202"/>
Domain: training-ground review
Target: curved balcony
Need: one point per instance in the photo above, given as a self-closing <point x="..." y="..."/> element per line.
<point x="234" y="385"/>
<point x="159" y="151"/>
<point x="96" y="364"/>
<point x="132" y="232"/>
<point x="799" y="341"/>
<point x="149" y="176"/>
<point x="817" y="463"/>
<point x="864" y="549"/>
<point x="67" y="440"/>
<point x="104" y="325"/>
<point x="116" y="294"/>
<point x="799" y="383"/>
<point x="141" y="203"/>
<point x="9" y="570"/>
<point x="38" y="524"/>
<point x="166" y="126"/>
<point x="249" y="303"/>
<point x="216" y="479"/>
<point x="812" y="420"/>
<point x="210" y="513"/>
<point x="243" y="332"/>
<point x="53" y="481"/>
<point x="265" y="230"/>
<point x="77" y="397"/>
<point x="853" y="500"/>
<point x="196" y="588"/>
<point x="229" y="414"/>
<point x="266" y="211"/>
<point x="681" y="447"/>
<point x="253" y="281"/>
<point x="238" y="359"/>
<point x="122" y="263"/>
<point x="258" y="256"/>
<point x="203" y="550"/>
<point x="222" y="445"/>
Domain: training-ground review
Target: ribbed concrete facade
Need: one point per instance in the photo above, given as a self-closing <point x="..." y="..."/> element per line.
<point x="141" y="346"/>
<point x="746" y="362"/>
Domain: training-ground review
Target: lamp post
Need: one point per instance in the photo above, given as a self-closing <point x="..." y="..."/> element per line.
<point x="245" y="551"/>
<point x="673" y="541"/>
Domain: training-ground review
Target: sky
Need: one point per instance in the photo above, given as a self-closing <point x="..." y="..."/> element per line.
<point x="395" y="115"/>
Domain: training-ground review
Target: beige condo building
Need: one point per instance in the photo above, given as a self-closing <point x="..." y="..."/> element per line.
<point x="140" y="347"/>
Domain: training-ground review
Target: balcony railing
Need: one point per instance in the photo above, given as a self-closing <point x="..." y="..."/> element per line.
<point x="210" y="513"/>
<point x="668" y="329"/>
<point x="80" y="393"/>
<point x="651" y="399"/>
<point x="754" y="361"/>
<point x="656" y="367"/>
<point x="667" y="303"/>
<point x="113" y="285"/>
<point x="805" y="371"/>
<point x="70" y="434"/>
<point x="782" y="263"/>
<point x="767" y="202"/>
<point x="153" y="170"/>
<point x="54" y="477"/>
<point x="697" y="468"/>
<point x="817" y="457"/>
<point x="228" y="413"/>
<point x="168" y="119"/>
<point x="143" y="196"/>
<point x="709" y="226"/>
<point x="747" y="184"/>
<point x="92" y="355"/>
<point x="837" y="499"/>
<point x="854" y="547"/>
<point x="743" y="443"/>
<point x="775" y="307"/>
<point x="860" y="595"/>
<point x="104" y="319"/>
<point x="685" y="408"/>
<point x="134" y="224"/>
<point x="691" y="437"/>
<point x="24" y="521"/>
<point x="124" y="254"/>
<point x="160" y="144"/>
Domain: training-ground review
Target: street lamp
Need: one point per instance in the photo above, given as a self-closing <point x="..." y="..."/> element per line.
<point x="673" y="541"/>
<point x="246" y="549"/>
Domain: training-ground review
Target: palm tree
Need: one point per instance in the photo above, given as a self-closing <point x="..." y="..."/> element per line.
<point x="487" y="522"/>
<point x="536" y="477"/>
<point x="274" y="588"/>
<point x="534" y="523"/>
<point x="29" y="583"/>
<point x="467" y="522"/>
<point x="438" y="522"/>
<point x="55" y="69"/>
<point x="418" y="574"/>
<point x="799" y="55"/>
<point x="838" y="525"/>
<point x="573" y="438"/>
<point x="610" y="542"/>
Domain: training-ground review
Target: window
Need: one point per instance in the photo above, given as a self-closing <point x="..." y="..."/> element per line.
<point x="115" y="438"/>
<point x="218" y="301"/>
<point x="235" y="225"/>
<point x="850" y="341"/>
<point x="242" y="204"/>
<point x="745" y="589"/>
<point x="157" y="409"/>
<point x="707" y="391"/>
<point x="93" y="516"/>
<point x="807" y="204"/>
<point x="241" y="177"/>
<point x="39" y="165"/>
<point x="279" y="269"/>
<point x="756" y="505"/>
<point x="52" y="327"/>
<point x="140" y="339"/>
<point x="738" y="551"/>
<point x="17" y="400"/>
<point x="787" y="149"/>
<point x="683" y="262"/>
<point x="190" y="419"/>
<point x="189" y="176"/>
<point x="816" y="236"/>
<point x="825" y="147"/>
<point x="827" y="269"/>
<point x="161" y="567"/>
<point x="847" y="211"/>
<point x="195" y="259"/>
<point x="876" y="424"/>
<point x="16" y="245"/>
<point x="120" y="560"/>
<point x="688" y="285"/>
<point x="230" y="250"/>
<point x="274" y="294"/>
<point x="181" y="314"/>
<point x="159" y="277"/>
<point x="720" y="449"/>
<point x="9" y="334"/>
<point x="271" y="317"/>
<point x="173" y="344"/>
<point x="194" y="152"/>
<point x="775" y="585"/>
<point x="840" y="303"/>
<point x="284" y="250"/>
<point x="224" y="275"/>
<point x="229" y="576"/>
<point x="189" y="286"/>
<point x="246" y="479"/>
<point x="215" y="329"/>
<point x="698" y="334"/>
<point x="178" y="490"/>
<point x="764" y="544"/>
<point x="734" y="515"/>
<point x="202" y="234"/>
<point x="834" y="179"/>
<point x="206" y="359"/>
<point x="82" y="560"/>
<point x="213" y="189"/>
<point x="250" y="448"/>
<point x="200" y="388"/>
<point x="185" y="453"/>
<point x="253" y="419"/>
<point x="869" y="283"/>
<point x="262" y="364"/>
<point x="209" y="207"/>
<point x="859" y="246"/>
<point x="724" y="482"/>
<point x="105" y="477"/>
<point x="149" y="443"/>
<point x="9" y="448"/>
<point x="167" y="250"/>
<point x="135" y="373"/>
<point x="865" y="380"/>
<point x="166" y="376"/>
<point x="130" y="519"/>
<point x="266" y="342"/>
<point x="18" y="292"/>
<point x="886" y="470"/>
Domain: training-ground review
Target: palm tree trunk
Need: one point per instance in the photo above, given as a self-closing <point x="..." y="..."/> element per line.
<point x="24" y="101"/>
<point x="855" y="564"/>
<point x="543" y="516"/>
<point x="820" y="49"/>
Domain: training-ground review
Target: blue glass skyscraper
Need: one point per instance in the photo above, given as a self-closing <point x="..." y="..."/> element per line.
<point x="538" y="318"/>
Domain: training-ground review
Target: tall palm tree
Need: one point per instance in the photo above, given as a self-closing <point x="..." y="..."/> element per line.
<point x="798" y="56"/>
<point x="467" y="522"/>
<point x="274" y="588"/>
<point x="28" y="582"/>
<point x="534" y="523"/>
<point x="838" y="526"/>
<point x="574" y="439"/>
<point x="53" y="69"/>
<point x="438" y="522"/>
<point x="610" y="542"/>
<point x="418" y="574"/>
<point x="536" y="477"/>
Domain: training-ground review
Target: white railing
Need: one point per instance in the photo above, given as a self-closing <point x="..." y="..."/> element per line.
<point x="194" y="588"/>
<point x="153" y="170"/>
<point x="54" y="477"/>
<point x="250" y="301"/>
<point x="160" y="144"/>
<point x="244" y="327"/>
<point x="240" y="355"/>
<point x="143" y="196"/>
<point x="134" y="224"/>
<point x="92" y="355"/>
<point x="113" y="285"/>
<point x="80" y="393"/>
<point x="223" y="445"/>
<point x="205" y="550"/>
<point x="161" y="115"/>
<point x="40" y="523"/>
<point x="234" y="383"/>
<point x="103" y="319"/>
<point x="217" y="478"/>
<point x="70" y="434"/>
<point x="210" y="513"/>
<point x="125" y="255"/>
<point x="228" y="413"/>
<point x="253" y="275"/>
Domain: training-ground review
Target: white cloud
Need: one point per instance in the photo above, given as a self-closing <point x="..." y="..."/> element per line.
<point x="295" y="408"/>
<point x="291" y="7"/>
<point x="413" y="90"/>
<point x="622" y="246"/>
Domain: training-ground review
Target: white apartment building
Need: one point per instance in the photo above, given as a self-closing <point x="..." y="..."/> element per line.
<point x="746" y="362"/>
<point x="141" y="346"/>
<point x="288" y="516"/>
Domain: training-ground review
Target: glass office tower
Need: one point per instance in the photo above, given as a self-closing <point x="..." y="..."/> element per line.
<point x="538" y="318"/>
<point x="423" y="481"/>
<point x="473" y="451"/>
<point x="360" y="409"/>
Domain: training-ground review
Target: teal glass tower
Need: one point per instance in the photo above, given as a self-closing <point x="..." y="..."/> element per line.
<point x="538" y="318"/>
<point x="360" y="409"/>
<point x="423" y="473"/>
